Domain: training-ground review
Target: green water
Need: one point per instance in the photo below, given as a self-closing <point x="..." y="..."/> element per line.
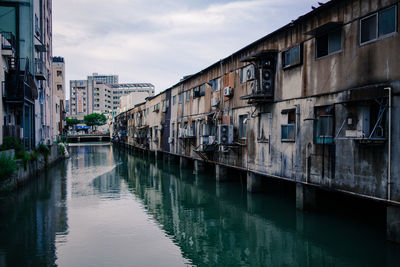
<point x="107" y="207"/>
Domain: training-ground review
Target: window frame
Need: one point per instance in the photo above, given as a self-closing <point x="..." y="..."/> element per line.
<point x="339" y="29"/>
<point x="288" y="125"/>
<point x="295" y="64"/>
<point x="329" y="139"/>
<point x="242" y="131"/>
<point x="376" y="13"/>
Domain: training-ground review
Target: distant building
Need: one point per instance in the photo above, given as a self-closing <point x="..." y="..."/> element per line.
<point x="102" y="98"/>
<point x="97" y="95"/>
<point x="138" y="91"/>
<point x="58" y="108"/>
<point x="81" y="95"/>
<point x="110" y="79"/>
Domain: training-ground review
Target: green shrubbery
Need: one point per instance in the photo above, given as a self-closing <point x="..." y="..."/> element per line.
<point x="11" y="143"/>
<point x="7" y="167"/>
<point x="44" y="150"/>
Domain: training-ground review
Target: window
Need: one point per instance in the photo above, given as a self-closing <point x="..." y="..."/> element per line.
<point x="187" y="95"/>
<point x="196" y="92"/>
<point x="329" y="43"/>
<point x="59" y="87"/>
<point x="324" y="125"/>
<point x="180" y="100"/>
<point x="215" y="84"/>
<point x="174" y="100"/>
<point x="242" y="126"/>
<point x="288" y="133"/>
<point x="203" y="90"/>
<point x="59" y="73"/>
<point x="292" y="57"/>
<point x="378" y="25"/>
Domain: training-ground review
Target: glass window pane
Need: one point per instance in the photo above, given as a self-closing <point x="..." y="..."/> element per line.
<point x="368" y="29"/>
<point x="294" y="55"/>
<point x="284" y="132"/>
<point x="387" y="21"/>
<point x="335" y="41"/>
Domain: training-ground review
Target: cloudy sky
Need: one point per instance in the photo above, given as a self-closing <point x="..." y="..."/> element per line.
<point x="160" y="41"/>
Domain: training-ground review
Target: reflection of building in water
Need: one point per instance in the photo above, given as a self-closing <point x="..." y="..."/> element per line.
<point x="31" y="220"/>
<point x="235" y="229"/>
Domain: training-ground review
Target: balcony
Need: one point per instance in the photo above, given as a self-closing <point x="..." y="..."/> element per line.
<point x="19" y="86"/>
<point x="8" y="44"/>
<point x="40" y="70"/>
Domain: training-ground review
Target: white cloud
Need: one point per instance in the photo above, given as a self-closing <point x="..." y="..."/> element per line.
<point x="160" y="41"/>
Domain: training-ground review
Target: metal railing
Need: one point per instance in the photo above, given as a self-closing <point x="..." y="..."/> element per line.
<point x="40" y="69"/>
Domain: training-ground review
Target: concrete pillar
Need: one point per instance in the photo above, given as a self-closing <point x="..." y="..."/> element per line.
<point x="393" y="223"/>
<point x="253" y="182"/>
<point x="199" y="166"/>
<point x="221" y="173"/>
<point x="183" y="163"/>
<point x="305" y="197"/>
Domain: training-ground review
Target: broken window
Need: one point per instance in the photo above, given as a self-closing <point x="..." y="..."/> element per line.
<point x="196" y="92"/>
<point x="288" y="133"/>
<point x="292" y="56"/>
<point x="215" y="84"/>
<point x="324" y="125"/>
<point x="378" y="25"/>
<point x="329" y="43"/>
<point x="243" y="126"/>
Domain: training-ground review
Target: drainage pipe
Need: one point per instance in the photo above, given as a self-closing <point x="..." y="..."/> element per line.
<point x="389" y="144"/>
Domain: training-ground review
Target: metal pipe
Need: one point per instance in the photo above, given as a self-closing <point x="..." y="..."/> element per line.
<point x="389" y="144"/>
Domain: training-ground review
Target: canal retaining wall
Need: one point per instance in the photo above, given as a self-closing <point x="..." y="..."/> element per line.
<point x="28" y="170"/>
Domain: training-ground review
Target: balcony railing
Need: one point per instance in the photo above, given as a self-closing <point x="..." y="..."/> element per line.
<point x="40" y="70"/>
<point x="20" y="85"/>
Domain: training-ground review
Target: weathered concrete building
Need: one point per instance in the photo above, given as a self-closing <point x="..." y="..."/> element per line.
<point x="312" y="103"/>
<point x="58" y="108"/>
<point x="26" y="25"/>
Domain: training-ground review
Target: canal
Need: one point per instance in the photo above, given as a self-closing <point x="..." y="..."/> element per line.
<point x="107" y="207"/>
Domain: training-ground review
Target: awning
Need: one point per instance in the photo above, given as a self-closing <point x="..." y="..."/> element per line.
<point x="259" y="54"/>
<point x="325" y="28"/>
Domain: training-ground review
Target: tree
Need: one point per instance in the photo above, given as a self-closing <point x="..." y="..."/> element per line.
<point x="71" y="121"/>
<point x="95" y="119"/>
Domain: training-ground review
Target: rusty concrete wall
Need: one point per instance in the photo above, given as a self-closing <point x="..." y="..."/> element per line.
<point x="332" y="80"/>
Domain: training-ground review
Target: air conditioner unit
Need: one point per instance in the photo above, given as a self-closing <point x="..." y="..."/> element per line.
<point x="181" y="132"/>
<point x="253" y="87"/>
<point x="135" y="136"/>
<point x="250" y="73"/>
<point x="170" y="140"/>
<point x="205" y="130"/>
<point x="211" y="139"/>
<point x="190" y="132"/>
<point x="225" y="134"/>
<point x="354" y="134"/>
<point x="228" y="91"/>
<point x="164" y="109"/>
<point x="214" y="102"/>
<point x="204" y="140"/>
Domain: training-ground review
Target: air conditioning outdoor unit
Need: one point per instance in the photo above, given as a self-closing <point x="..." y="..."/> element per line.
<point x="181" y="132"/>
<point x="250" y="73"/>
<point x="204" y="140"/>
<point x="225" y="134"/>
<point x="170" y="140"/>
<point x="205" y="130"/>
<point x="211" y="139"/>
<point x="228" y="91"/>
<point x="164" y="109"/>
<point x="253" y="87"/>
<point x="214" y="102"/>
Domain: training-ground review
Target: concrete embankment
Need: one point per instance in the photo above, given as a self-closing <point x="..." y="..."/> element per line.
<point x="27" y="171"/>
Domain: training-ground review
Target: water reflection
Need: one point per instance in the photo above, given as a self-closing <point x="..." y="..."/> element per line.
<point x="105" y="207"/>
<point x="31" y="219"/>
<point x="221" y="225"/>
